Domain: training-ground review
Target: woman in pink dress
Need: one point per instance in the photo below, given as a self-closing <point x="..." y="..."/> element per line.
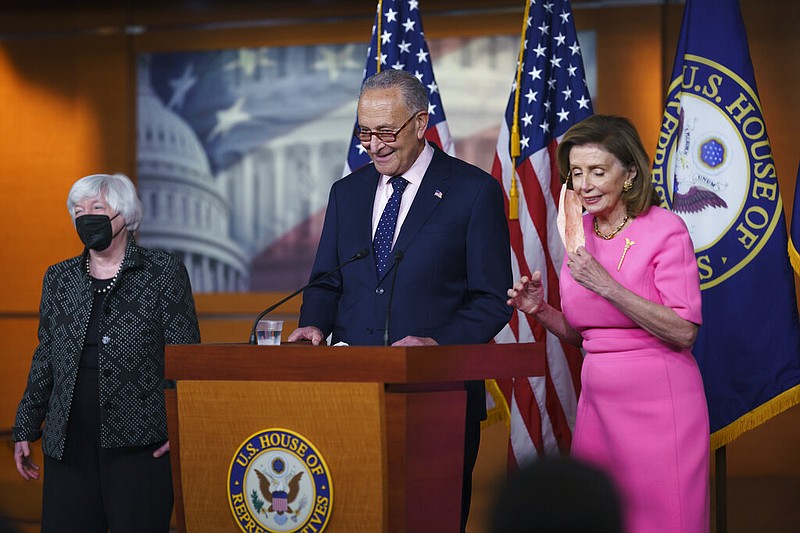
<point x="631" y="299"/>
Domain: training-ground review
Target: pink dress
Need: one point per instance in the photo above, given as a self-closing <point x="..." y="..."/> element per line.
<point x="642" y="413"/>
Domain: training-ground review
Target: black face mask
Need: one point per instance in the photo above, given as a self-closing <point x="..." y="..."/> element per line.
<point x="95" y="231"/>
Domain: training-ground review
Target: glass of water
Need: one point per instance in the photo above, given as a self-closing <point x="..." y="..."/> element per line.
<point x="268" y="332"/>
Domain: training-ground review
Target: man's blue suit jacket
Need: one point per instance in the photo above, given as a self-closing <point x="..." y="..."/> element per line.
<point x="451" y="283"/>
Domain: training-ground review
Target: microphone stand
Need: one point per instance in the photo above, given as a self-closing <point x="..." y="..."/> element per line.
<point x="361" y="254"/>
<point x="398" y="256"/>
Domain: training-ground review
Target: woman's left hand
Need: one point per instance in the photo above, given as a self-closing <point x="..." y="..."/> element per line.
<point x="164" y="448"/>
<point x="587" y="272"/>
<point x="658" y="319"/>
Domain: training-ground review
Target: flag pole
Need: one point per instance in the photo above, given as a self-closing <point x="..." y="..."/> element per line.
<point x="721" y="486"/>
<point x="513" y="193"/>
<point x="378" y="37"/>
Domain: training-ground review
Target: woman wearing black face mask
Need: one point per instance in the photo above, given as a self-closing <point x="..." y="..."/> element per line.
<point x="97" y="376"/>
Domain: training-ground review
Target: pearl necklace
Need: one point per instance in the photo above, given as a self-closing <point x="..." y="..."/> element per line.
<point x="110" y="284"/>
<point x="613" y="233"/>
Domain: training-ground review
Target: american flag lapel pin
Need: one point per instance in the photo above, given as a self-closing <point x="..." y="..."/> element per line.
<point x="438" y="194"/>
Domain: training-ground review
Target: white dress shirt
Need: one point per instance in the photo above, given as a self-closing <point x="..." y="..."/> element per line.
<point x="414" y="177"/>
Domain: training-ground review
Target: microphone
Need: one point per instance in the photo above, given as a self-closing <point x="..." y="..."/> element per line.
<point x="398" y="256"/>
<point x="361" y="254"/>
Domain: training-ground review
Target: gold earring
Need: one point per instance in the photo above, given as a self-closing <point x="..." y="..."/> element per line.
<point x="627" y="186"/>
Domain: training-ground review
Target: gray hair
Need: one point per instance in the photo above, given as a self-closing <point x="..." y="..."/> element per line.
<point x="415" y="96"/>
<point x="118" y="190"/>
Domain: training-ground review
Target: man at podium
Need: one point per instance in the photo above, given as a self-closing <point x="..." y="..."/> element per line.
<point x="439" y="257"/>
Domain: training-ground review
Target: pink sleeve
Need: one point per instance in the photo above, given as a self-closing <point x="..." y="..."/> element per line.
<point x="677" y="281"/>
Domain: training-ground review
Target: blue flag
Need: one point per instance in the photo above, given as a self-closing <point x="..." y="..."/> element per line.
<point x="398" y="42"/>
<point x="714" y="168"/>
<point x="794" y="236"/>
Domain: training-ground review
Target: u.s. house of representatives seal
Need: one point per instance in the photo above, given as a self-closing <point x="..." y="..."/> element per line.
<point x="714" y="168"/>
<point x="279" y="483"/>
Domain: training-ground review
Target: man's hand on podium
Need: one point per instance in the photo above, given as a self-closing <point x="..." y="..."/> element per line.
<point x="306" y="333"/>
<point x="410" y="340"/>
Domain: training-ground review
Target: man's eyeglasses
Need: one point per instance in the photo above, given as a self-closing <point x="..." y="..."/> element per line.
<point x="386" y="136"/>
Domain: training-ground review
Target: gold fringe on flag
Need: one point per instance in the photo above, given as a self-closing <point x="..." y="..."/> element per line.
<point x="794" y="256"/>
<point x="499" y="411"/>
<point x="514" y="147"/>
<point x="756" y="417"/>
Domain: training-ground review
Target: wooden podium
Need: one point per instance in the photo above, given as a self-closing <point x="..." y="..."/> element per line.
<point x="388" y="422"/>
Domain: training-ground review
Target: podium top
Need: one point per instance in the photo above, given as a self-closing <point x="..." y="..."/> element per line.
<point x="386" y="364"/>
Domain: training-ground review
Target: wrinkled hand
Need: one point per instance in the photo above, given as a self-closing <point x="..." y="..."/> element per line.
<point x="164" y="448"/>
<point x="527" y="295"/>
<point x="22" y="458"/>
<point x="308" y="333"/>
<point x="587" y="272"/>
<point x="410" y="340"/>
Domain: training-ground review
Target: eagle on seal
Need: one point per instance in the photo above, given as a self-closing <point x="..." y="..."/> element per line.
<point x="696" y="198"/>
<point x="280" y="498"/>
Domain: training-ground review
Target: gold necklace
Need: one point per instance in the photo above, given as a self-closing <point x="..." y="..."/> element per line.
<point x="613" y="233"/>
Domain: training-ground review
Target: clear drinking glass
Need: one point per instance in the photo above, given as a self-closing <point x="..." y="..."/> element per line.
<point x="268" y="332"/>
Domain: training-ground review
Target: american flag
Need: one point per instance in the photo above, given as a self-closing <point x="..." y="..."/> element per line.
<point x="402" y="46"/>
<point x="551" y="94"/>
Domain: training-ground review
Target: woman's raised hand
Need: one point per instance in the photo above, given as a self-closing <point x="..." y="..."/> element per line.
<point x="527" y="295"/>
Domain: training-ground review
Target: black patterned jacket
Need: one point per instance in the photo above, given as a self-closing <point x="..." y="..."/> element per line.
<point x="151" y="305"/>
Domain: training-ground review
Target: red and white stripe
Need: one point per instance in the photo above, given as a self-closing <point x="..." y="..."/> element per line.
<point x="440" y="134"/>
